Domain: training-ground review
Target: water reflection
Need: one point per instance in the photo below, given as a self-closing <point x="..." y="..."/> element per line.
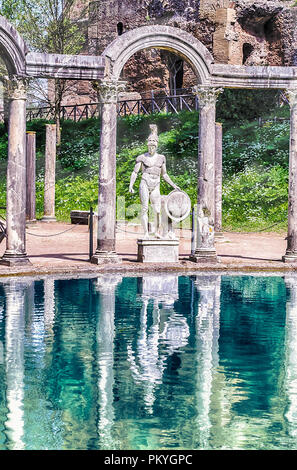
<point x="207" y="341"/>
<point x="291" y="356"/>
<point x="148" y="358"/>
<point x="161" y="361"/>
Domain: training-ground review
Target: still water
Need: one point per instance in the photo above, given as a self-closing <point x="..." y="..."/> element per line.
<point x="158" y="362"/>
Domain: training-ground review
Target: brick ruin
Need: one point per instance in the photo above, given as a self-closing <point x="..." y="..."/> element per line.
<point x="241" y="32"/>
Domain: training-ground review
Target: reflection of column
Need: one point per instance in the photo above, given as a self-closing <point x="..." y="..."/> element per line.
<point x="50" y="173"/>
<point x="291" y="253"/>
<point x="205" y="249"/>
<point x="207" y="338"/>
<point x="16" y="175"/>
<point x="14" y="358"/>
<point x="168" y="334"/>
<point x="49" y="303"/>
<point x="105" y="252"/>
<point x="291" y="355"/>
<point x="106" y="285"/>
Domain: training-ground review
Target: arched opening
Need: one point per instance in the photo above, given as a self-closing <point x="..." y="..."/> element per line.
<point x="247" y="50"/>
<point x="120" y="28"/>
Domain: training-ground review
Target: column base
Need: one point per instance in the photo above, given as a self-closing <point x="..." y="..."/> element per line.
<point x="9" y="259"/>
<point x="48" y="218"/>
<point x="290" y="257"/>
<point x="105" y="257"/>
<point x="31" y="222"/>
<point x="204" y="256"/>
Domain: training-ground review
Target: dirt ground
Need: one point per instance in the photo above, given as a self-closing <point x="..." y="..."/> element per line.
<point x="64" y="248"/>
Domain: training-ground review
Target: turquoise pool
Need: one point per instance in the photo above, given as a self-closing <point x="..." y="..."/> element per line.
<point x="157" y="362"/>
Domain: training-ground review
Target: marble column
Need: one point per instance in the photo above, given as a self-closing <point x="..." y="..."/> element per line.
<point x="218" y="180"/>
<point x="50" y="173"/>
<point x="106" y="233"/>
<point x="205" y="251"/>
<point x="15" y="253"/>
<point x="291" y="253"/>
<point x="31" y="177"/>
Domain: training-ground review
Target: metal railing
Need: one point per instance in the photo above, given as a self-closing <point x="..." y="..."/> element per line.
<point x="156" y="103"/>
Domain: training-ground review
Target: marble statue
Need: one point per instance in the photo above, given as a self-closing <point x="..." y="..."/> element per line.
<point x="153" y="166"/>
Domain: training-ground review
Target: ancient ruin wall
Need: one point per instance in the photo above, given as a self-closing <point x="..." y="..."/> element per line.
<point x="261" y="32"/>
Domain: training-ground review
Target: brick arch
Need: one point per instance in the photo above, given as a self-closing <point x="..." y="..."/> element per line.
<point x="160" y="37"/>
<point x="13" y="49"/>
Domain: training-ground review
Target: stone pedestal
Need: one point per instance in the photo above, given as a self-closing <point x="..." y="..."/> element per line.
<point x="158" y="251"/>
<point x="105" y="257"/>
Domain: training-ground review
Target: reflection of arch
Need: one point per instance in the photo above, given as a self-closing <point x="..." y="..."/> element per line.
<point x="161" y="37"/>
<point x="12" y="49"/>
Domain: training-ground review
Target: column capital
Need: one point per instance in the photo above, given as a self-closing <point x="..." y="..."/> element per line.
<point x="207" y="95"/>
<point x="108" y="90"/>
<point x="16" y="88"/>
<point x="291" y="95"/>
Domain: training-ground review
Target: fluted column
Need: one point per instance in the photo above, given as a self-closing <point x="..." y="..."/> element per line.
<point x="15" y="253"/>
<point x="105" y="253"/>
<point x="291" y="253"/>
<point x="50" y="173"/>
<point x="31" y="177"/>
<point x="205" y="250"/>
<point x="218" y="180"/>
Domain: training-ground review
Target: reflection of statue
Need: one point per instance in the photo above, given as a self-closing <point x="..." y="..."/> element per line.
<point x="153" y="165"/>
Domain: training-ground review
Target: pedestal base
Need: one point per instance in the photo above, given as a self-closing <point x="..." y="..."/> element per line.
<point x="204" y="256"/>
<point x="158" y="251"/>
<point x="105" y="257"/>
<point x="48" y="218"/>
<point x="290" y="258"/>
<point x="15" y="260"/>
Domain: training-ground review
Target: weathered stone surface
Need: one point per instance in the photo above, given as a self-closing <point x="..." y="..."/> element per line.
<point x="50" y="173"/>
<point x="156" y="251"/>
<point x="206" y="174"/>
<point x="31" y="176"/>
<point x="105" y="252"/>
<point x="218" y="179"/>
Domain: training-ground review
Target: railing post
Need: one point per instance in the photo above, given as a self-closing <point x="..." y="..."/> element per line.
<point x="91" y="250"/>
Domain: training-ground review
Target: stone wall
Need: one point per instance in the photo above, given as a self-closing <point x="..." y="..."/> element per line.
<point x="261" y="32"/>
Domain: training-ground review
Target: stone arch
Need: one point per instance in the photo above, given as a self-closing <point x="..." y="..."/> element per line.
<point x="160" y="37"/>
<point x="13" y="49"/>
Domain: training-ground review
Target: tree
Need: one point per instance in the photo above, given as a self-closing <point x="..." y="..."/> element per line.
<point x="51" y="26"/>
